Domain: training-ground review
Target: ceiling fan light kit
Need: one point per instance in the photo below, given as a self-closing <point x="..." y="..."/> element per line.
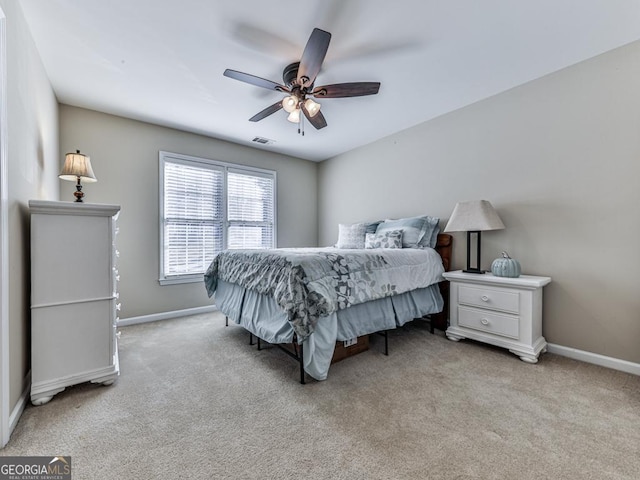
<point x="312" y="107"/>
<point x="299" y="78"/>
<point x="294" y="116"/>
<point x="290" y="103"/>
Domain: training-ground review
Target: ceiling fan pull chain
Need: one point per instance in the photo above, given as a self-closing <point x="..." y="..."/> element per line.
<point x="301" y="124"/>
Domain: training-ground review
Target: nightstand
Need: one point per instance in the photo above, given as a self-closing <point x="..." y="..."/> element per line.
<point x="506" y="312"/>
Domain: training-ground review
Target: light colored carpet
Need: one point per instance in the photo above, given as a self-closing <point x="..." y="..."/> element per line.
<point x="195" y="401"/>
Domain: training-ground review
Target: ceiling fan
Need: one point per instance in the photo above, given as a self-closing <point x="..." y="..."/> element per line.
<point x="299" y="78"/>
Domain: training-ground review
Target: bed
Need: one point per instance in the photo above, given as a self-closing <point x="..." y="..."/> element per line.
<point x="312" y="298"/>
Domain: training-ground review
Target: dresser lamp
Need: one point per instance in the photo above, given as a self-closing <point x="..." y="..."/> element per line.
<point x="473" y="217"/>
<point x="77" y="167"/>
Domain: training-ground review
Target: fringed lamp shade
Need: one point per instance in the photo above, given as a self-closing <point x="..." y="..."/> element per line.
<point x="77" y="168"/>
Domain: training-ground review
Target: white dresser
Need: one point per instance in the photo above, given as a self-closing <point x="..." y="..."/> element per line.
<point x="506" y="312"/>
<point x="74" y="299"/>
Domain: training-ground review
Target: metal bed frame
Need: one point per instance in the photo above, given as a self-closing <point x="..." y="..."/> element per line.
<point x="298" y="348"/>
<point x="444" y="247"/>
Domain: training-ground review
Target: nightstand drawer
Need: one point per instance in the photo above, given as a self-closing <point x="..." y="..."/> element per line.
<point x="493" y="299"/>
<point x="489" y="322"/>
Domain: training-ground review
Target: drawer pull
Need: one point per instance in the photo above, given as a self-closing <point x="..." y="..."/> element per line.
<point x="484" y="298"/>
<point x="484" y="321"/>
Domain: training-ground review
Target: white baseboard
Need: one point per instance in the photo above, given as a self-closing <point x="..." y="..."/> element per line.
<point x="21" y="403"/>
<point x="595" y="358"/>
<point x="582" y="355"/>
<point x="123" y="322"/>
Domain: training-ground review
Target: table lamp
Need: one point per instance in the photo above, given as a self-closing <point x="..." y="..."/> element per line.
<point x="77" y="167"/>
<point x="473" y="217"/>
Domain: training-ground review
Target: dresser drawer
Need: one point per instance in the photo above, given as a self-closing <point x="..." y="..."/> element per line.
<point x="493" y="299"/>
<point x="485" y="321"/>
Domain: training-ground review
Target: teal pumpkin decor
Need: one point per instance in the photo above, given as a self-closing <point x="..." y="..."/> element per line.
<point x="505" y="266"/>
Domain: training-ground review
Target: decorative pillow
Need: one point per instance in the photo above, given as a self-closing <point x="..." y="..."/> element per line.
<point x="430" y="238"/>
<point x="390" y="239"/>
<point x="413" y="230"/>
<point x="351" y="236"/>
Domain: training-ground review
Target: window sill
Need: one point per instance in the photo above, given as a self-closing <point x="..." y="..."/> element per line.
<point x="182" y="279"/>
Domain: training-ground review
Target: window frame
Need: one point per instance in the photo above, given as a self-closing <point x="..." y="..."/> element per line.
<point x="225" y="167"/>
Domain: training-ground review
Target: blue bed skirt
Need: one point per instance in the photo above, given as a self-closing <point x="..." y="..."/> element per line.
<point x="262" y="316"/>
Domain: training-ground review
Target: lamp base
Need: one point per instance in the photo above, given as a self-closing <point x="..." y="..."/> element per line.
<point x="477" y="268"/>
<point x="78" y="193"/>
<point x="473" y="270"/>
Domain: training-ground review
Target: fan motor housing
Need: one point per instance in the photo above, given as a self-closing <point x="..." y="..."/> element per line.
<point x="290" y="74"/>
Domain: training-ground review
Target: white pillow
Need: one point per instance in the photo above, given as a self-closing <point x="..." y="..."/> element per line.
<point x="351" y="236"/>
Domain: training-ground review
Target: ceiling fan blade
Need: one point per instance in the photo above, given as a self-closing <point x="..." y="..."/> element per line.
<point x="339" y="90"/>
<point x="317" y="120"/>
<point x="313" y="56"/>
<point x="271" y="109"/>
<point x="253" y="80"/>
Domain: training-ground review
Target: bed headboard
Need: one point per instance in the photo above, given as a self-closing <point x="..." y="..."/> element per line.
<point x="444" y="247"/>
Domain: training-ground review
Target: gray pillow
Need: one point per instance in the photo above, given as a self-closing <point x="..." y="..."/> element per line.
<point x="390" y="239"/>
<point x="351" y="236"/>
<point x="372" y="226"/>
<point x="413" y="230"/>
<point x="430" y="238"/>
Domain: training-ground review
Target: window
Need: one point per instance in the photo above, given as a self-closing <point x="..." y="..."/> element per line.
<point x="249" y="209"/>
<point x="207" y="206"/>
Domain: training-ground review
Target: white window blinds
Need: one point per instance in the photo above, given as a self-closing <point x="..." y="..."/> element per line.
<point x="250" y="210"/>
<point x="208" y="206"/>
<point x="194" y="217"/>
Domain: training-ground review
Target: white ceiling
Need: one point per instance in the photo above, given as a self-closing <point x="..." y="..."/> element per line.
<point x="162" y="61"/>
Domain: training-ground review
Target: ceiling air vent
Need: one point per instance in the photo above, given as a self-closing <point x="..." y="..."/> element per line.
<point x="263" y="141"/>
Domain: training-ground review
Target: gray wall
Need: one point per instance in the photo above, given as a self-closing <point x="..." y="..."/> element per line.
<point x="32" y="124"/>
<point x="124" y="157"/>
<point x="559" y="158"/>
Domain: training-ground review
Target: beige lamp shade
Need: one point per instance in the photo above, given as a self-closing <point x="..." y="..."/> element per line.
<point x="313" y="108"/>
<point x="77" y="166"/>
<point x="474" y="216"/>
